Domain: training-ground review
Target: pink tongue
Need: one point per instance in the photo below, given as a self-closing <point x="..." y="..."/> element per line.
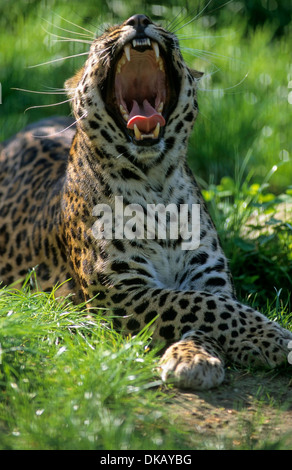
<point x="145" y="117"/>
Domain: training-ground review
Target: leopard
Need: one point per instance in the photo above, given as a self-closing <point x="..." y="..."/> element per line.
<point x="134" y="104"/>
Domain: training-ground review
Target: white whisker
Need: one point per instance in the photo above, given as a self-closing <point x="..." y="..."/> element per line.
<point x="76" y="25"/>
<point x="57" y="60"/>
<point x="221" y="6"/>
<point x="65" y="38"/>
<point x="184" y="18"/>
<point x="41" y="92"/>
<point x="72" y="40"/>
<point x="201" y="57"/>
<point x="48" y="105"/>
<point x="194" y="18"/>
<point x="106" y="51"/>
<point x="63" y="130"/>
<point x="91" y="36"/>
<point x="210" y="74"/>
<point x="173" y="21"/>
<point x="185" y="38"/>
<point x="55" y="89"/>
<point x="225" y="89"/>
<point x="202" y="52"/>
<point x="121" y="154"/>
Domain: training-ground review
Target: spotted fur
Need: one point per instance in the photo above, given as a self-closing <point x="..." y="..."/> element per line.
<point x="51" y="181"/>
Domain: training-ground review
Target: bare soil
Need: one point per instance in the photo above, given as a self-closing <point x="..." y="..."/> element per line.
<point x="248" y="411"/>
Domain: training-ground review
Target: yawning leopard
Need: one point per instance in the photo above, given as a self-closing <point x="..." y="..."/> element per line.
<point x="66" y="185"/>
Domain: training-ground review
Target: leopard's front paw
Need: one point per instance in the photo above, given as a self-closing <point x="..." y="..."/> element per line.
<point x="191" y="366"/>
<point x="266" y="345"/>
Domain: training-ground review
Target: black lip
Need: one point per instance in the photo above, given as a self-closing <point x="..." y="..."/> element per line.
<point x="106" y="88"/>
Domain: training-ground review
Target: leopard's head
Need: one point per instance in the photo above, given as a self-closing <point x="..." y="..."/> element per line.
<point x="135" y="89"/>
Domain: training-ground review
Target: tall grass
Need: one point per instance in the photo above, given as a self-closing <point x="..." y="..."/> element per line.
<point x="68" y="381"/>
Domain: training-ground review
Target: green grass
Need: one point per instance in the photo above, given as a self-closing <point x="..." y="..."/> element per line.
<point x="255" y="227"/>
<point x="67" y="380"/>
<point x="248" y="112"/>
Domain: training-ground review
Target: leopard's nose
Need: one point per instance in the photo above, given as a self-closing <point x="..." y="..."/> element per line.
<point x="139" y="22"/>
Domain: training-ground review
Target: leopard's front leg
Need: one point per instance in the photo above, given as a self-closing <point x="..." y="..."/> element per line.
<point x="195" y="362"/>
<point x="204" y="329"/>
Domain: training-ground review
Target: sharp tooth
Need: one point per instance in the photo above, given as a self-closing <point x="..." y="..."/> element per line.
<point x="141" y="42"/>
<point x="124" y="113"/>
<point x="160" y="107"/>
<point x="160" y="64"/>
<point x="121" y="63"/>
<point x="147" y="136"/>
<point x="156" y="131"/>
<point x="127" y="49"/>
<point x="156" y="49"/>
<point x="137" y="132"/>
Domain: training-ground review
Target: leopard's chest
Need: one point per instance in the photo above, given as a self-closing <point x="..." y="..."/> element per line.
<point x="151" y="227"/>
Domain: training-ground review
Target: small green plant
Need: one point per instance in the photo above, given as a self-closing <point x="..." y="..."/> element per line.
<point x="255" y="227"/>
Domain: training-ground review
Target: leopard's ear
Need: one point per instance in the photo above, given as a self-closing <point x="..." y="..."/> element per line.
<point x="196" y="74"/>
<point x="72" y="83"/>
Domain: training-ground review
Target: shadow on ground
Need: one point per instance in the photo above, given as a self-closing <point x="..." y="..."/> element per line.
<point x="247" y="411"/>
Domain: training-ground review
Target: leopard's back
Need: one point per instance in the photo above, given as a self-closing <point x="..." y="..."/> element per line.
<point x="32" y="172"/>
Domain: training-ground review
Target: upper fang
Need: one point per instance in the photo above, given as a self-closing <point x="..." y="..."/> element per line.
<point x="156" y="49"/>
<point x="127" y="49"/>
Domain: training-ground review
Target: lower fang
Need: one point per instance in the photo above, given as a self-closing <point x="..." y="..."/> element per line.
<point x="137" y="132"/>
<point x="156" y="131"/>
<point x="153" y="135"/>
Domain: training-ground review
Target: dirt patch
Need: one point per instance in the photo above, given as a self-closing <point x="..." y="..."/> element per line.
<point x="248" y="411"/>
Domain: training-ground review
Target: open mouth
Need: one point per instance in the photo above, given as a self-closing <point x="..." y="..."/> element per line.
<point x="141" y="93"/>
